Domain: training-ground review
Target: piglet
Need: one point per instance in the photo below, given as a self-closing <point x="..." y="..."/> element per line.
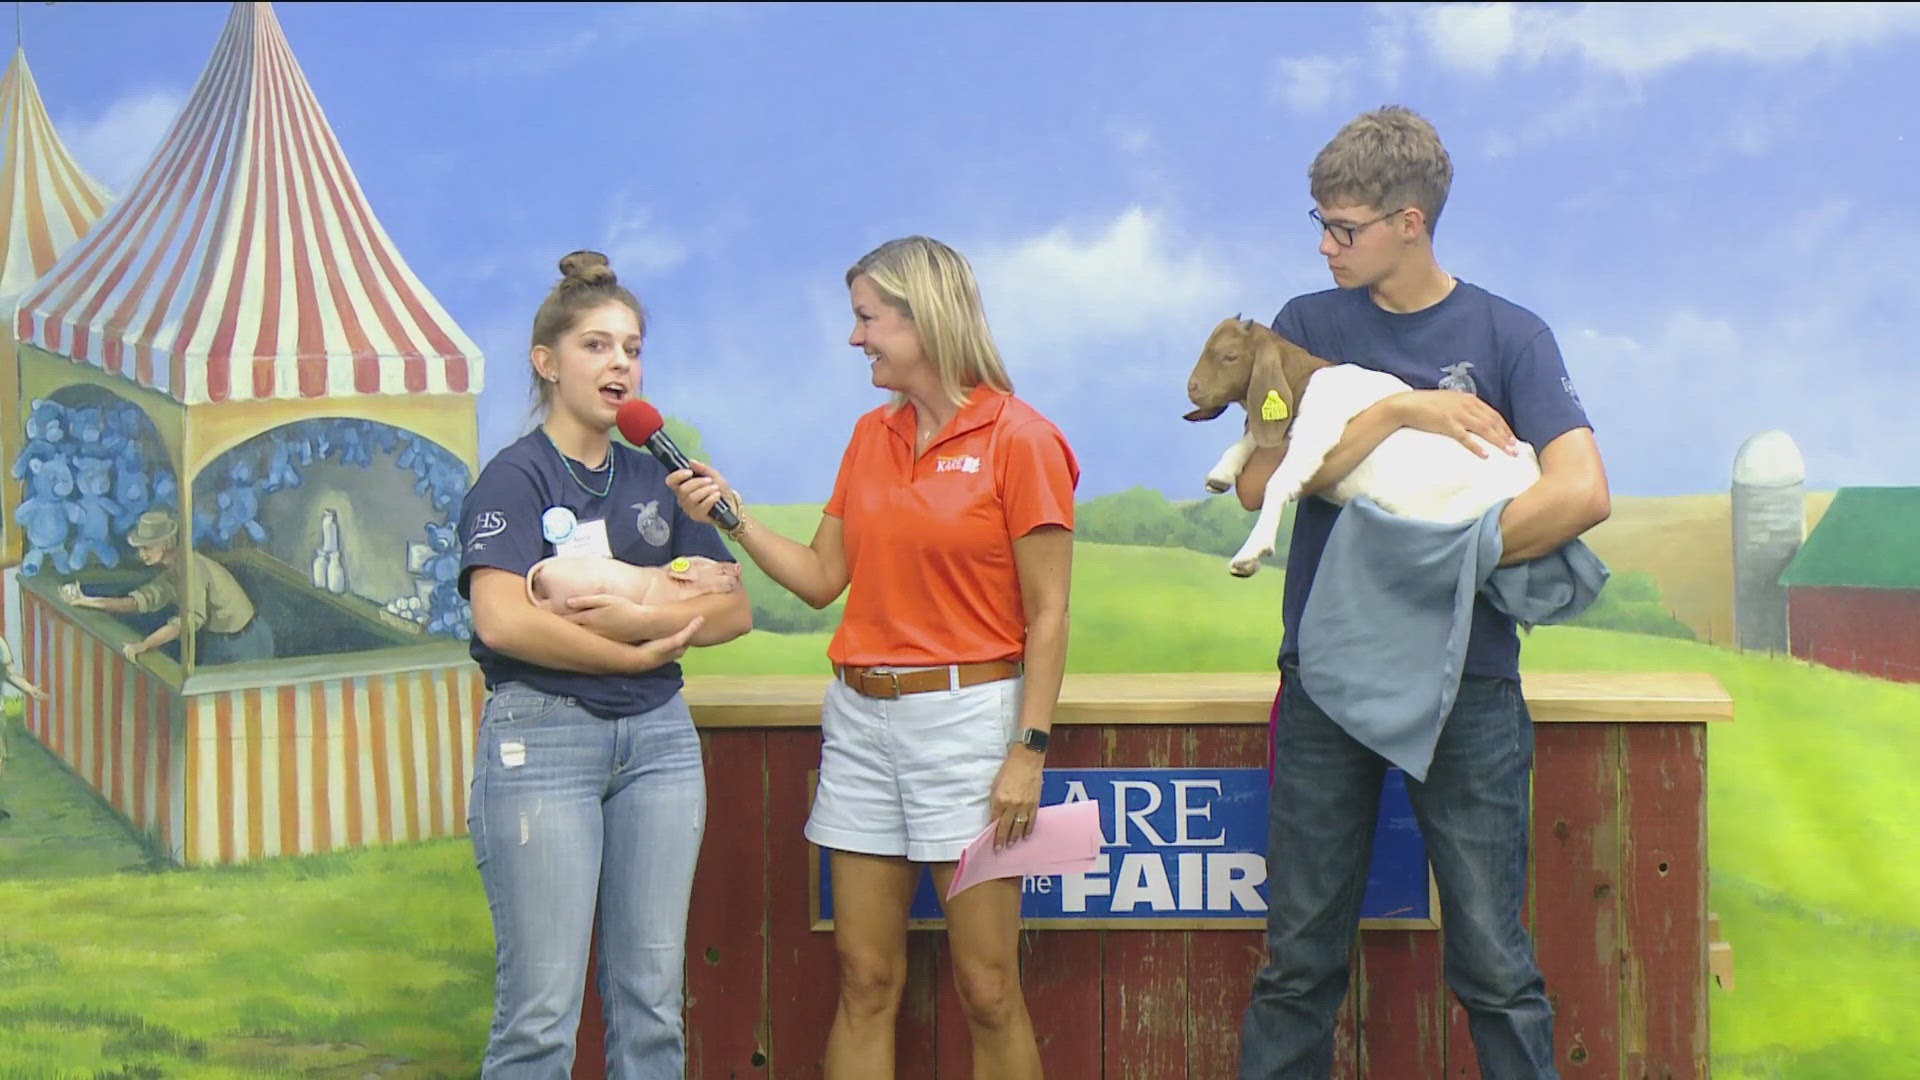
<point x="554" y="581"/>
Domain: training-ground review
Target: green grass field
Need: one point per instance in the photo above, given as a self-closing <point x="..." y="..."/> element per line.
<point x="1812" y="831"/>
<point x="380" y="961"/>
<point x="1134" y="609"/>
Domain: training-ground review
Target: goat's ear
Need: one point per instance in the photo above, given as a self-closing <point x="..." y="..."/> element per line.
<point x="1270" y="398"/>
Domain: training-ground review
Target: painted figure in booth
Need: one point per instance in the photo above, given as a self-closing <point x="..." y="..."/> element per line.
<point x="226" y="628"/>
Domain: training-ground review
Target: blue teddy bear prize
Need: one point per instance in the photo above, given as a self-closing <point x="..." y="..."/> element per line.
<point x="44" y="516"/>
<point x="92" y="514"/>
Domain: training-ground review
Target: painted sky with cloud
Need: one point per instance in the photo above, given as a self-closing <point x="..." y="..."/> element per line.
<point x="1708" y="203"/>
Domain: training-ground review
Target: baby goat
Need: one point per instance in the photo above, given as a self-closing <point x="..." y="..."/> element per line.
<point x="1301" y="404"/>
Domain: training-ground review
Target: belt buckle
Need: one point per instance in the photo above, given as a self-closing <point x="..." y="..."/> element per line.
<point x="895" y="677"/>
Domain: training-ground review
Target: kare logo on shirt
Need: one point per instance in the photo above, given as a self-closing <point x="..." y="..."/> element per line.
<point x="965" y="463"/>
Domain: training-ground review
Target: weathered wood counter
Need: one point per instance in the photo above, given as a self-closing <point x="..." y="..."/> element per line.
<point x="1618" y="899"/>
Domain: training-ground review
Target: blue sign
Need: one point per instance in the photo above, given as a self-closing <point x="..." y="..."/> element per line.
<point x="1187" y="845"/>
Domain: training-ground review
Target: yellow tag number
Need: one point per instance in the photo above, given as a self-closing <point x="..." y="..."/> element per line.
<point x="1273" y="408"/>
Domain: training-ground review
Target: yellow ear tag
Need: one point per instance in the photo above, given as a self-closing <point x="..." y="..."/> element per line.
<point x="1273" y="408"/>
<point x="680" y="565"/>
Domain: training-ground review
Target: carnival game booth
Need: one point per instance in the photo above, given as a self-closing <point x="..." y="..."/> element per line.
<point x="46" y="203"/>
<point x="237" y="343"/>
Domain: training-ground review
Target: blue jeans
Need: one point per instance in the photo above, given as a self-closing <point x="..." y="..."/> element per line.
<point x="567" y="809"/>
<point x="1473" y="811"/>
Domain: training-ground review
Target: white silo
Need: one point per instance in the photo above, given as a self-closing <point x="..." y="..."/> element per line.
<point x="1769" y="524"/>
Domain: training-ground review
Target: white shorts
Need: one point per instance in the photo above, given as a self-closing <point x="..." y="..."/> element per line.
<point x="911" y="775"/>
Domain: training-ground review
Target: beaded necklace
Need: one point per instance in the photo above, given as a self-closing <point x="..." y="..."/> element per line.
<point x="567" y="463"/>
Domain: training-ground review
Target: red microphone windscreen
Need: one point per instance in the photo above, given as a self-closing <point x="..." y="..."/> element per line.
<point x="637" y="420"/>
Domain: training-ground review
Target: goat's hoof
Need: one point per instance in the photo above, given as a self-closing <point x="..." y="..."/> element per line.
<point x="1245" y="567"/>
<point x="1217" y="485"/>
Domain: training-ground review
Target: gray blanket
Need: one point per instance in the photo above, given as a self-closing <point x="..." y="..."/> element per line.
<point x="1385" y="631"/>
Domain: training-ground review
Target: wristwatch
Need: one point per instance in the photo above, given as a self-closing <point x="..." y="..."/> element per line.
<point x="1033" y="739"/>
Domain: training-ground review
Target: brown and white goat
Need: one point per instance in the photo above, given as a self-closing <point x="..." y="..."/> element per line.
<point x="1301" y="404"/>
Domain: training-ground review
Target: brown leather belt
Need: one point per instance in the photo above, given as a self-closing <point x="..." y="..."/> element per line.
<point x="884" y="683"/>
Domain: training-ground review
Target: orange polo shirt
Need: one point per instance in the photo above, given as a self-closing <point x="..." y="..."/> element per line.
<point x="929" y="540"/>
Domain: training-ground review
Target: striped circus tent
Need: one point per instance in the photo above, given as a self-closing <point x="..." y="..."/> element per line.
<point x="246" y="263"/>
<point x="46" y="203"/>
<point x="46" y="200"/>
<point x="241" y="295"/>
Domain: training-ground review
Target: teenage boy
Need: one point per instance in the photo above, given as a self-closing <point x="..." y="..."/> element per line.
<point x="1481" y="366"/>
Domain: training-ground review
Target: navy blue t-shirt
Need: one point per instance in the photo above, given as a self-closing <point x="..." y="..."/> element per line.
<point x="1472" y="341"/>
<point x="500" y="527"/>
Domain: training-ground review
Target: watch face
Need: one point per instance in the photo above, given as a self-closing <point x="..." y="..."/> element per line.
<point x="1034" y="739"/>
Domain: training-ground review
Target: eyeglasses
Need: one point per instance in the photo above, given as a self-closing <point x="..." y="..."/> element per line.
<point x="1344" y="234"/>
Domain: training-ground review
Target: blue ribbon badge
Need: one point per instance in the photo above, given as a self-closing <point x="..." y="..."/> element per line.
<point x="557" y="524"/>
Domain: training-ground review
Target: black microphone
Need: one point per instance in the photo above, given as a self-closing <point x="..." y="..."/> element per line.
<point x="643" y="426"/>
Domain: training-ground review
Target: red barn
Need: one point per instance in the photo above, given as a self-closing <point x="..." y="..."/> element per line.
<point x="1853" y="591"/>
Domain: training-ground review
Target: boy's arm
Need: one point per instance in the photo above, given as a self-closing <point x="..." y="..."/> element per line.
<point x="1445" y="412"/>
<point x="1571" y="495"/>
<point x="1569" y="498"/>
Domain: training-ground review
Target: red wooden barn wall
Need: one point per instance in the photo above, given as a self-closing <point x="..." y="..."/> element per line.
<point x="1872" y="631"/>
<point x="1618" y="912"/>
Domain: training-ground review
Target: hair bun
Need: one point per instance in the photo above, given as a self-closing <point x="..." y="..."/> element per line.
<point x="586" y="268"/>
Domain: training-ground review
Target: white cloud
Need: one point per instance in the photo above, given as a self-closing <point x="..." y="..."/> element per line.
<point x="1470" y="37"/>
<point x="1814" y="355"/>
<point x="1308" y="84"/>
<point x="1642" y="39"/>
<point x="1099" y="323"/>
<point x="114" y="146"/>
<point x="1671" y="403"/>
<point x="1055" y="294"/>
<point x="1606" y="53"/>
<point x="1311" y="83"/>
<point x="633" y="246"/>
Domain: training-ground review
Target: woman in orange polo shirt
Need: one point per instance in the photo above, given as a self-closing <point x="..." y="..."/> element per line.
<point x="951" y="521"/>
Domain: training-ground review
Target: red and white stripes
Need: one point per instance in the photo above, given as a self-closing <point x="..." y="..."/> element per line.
<point x="329" y="764"/>
<point x="246" y="263"/>
<point x="46" y="201"/>
<point x="296" y="768"/>
<point x="109" y="720"/>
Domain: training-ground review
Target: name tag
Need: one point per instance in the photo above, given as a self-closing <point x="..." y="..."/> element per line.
<point x="588" y="538"/>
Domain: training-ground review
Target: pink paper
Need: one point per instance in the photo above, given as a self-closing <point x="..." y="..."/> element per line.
<point x="1066" y="839"/>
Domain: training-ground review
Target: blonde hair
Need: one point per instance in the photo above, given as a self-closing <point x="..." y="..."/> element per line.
<point x="586" y="282"/>
<point x="1389" y="159"/>
<point x="933" y="285"/>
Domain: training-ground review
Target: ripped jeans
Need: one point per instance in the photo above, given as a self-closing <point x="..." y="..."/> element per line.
<point x="568" y="809"/>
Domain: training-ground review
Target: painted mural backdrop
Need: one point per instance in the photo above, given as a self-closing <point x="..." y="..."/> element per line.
<point x="238" y="410"/>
